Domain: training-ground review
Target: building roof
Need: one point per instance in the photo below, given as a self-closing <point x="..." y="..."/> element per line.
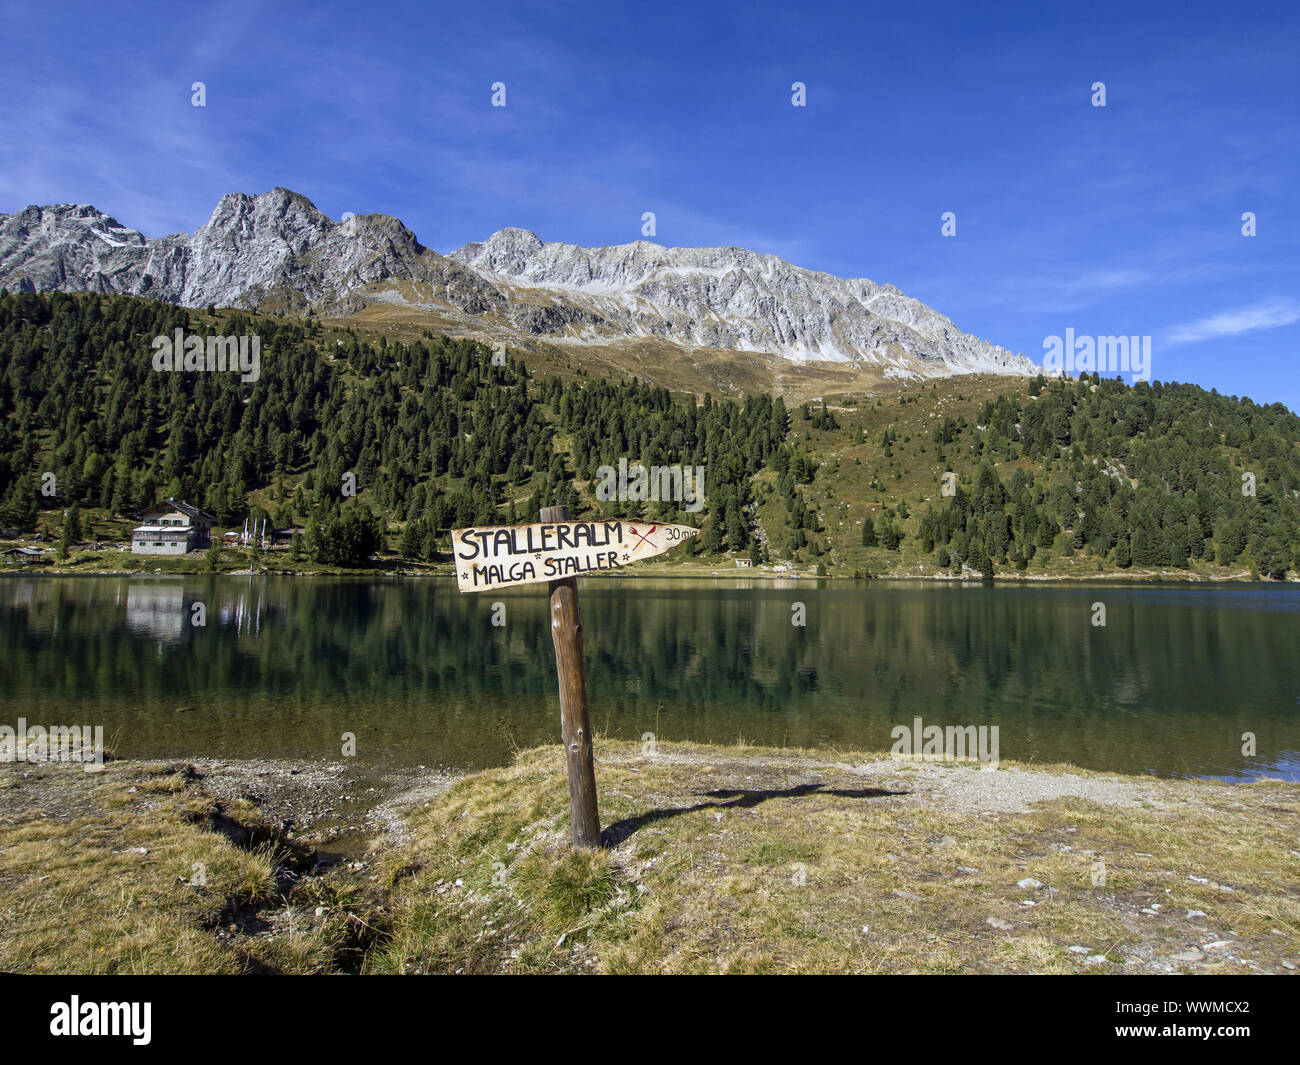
<point x="188" y="509"/>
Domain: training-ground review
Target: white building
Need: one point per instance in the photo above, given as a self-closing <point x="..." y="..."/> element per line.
<point x="172" y="528"/>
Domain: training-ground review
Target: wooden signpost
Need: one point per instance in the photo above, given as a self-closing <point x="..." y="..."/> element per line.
<point x="556" y="551"/>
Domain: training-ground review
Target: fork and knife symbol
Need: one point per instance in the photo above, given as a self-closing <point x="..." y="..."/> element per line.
<point x="645" y="539"/>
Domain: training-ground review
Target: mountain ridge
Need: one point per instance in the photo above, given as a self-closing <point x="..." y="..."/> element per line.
<point x="279" y="250"/>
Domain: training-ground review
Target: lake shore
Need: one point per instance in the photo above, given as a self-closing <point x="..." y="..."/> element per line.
<point x="193" y="566"/>
<point x="717" y="859"/>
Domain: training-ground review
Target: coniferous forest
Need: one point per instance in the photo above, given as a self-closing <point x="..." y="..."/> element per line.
<point x="437" y="434"/>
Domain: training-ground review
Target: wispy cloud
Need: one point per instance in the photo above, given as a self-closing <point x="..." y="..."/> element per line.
<point x="1055" y="293"/>
<point x="1270" y="314"/>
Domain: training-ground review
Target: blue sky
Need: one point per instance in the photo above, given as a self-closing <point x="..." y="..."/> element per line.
<point x="1117" y="220"/>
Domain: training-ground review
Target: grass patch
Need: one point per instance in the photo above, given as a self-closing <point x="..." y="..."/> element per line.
<point x="131" y="871"/>
<point x="727" y="860"/>
<point x="718" y="860"/>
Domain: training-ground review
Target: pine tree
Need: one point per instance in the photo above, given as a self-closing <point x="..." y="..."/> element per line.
<point x="736" y="534"/>
<point x="65" y="537"/>
<point x="712" y="536"/>
<point x="409" y="546"/>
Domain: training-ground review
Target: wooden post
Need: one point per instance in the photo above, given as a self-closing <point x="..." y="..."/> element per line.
<point x="575" y="728"/>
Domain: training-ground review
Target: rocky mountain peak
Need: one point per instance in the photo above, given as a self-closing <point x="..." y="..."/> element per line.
<point x="507" y="251"/>
<point x="279" y="247"/>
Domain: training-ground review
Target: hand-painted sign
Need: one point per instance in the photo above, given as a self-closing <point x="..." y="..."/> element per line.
<point x="527" y="554"/>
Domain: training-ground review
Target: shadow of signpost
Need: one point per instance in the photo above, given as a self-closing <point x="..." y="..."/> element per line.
<point x="735" y="799"/>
